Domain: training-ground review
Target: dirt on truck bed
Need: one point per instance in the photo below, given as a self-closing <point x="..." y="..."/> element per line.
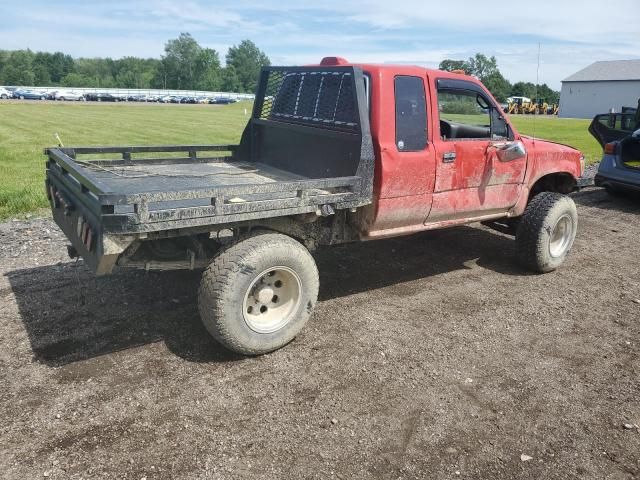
<point x="430" y="356"/>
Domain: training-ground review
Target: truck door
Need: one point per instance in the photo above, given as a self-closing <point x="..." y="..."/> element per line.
<point x="470" y="178"/>
<point x="405" y="173"/>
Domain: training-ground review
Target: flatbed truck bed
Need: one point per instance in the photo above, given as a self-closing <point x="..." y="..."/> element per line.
<point x="151" y="194"/>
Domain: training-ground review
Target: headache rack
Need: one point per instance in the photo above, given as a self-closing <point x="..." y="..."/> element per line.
<point x="307" y="145"/>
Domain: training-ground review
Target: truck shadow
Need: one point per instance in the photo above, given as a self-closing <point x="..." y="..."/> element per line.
<point x="355" y="268"/>
<point x="599" y="198"/>
<point x="70" y="315"/>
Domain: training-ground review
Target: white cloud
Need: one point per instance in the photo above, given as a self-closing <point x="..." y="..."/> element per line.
<point x="572" y="34"/>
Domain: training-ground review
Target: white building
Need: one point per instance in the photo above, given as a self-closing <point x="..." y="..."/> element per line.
<point x="600" y="87"/>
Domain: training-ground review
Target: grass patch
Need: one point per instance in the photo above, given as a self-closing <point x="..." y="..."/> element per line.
<point x="27" y="127"/>
<point x="570" y="131"/>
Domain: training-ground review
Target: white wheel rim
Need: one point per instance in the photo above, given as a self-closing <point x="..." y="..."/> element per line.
<point x="272" y="299"/>
<point x="561" y="235"/>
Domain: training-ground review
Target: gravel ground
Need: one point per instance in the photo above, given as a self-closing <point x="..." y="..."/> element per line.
<point x="431" y="356"/>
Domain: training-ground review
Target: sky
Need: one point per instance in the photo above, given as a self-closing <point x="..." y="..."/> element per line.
<point x="571" y="34"/>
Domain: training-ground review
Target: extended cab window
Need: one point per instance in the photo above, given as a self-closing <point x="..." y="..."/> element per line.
<point x="411" y="114"/>
<point x="317" y="97"/>
<point x="468" y="114"/>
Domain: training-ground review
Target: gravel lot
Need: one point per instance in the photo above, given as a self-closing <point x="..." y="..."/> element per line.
<point x="431" y="356"/>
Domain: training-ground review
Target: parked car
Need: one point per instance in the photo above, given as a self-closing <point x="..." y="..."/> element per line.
<point x="105" y="97"/>
<point x="4" y="93"/>
<point x="222" y="100"/>
<point x="619" y="136"/>
<point x="347" y="171"/>
<point x="69" y="95"/>
<point x="29" y="95"/>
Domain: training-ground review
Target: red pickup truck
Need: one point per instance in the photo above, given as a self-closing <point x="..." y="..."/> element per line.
<point x="333" y="153"/>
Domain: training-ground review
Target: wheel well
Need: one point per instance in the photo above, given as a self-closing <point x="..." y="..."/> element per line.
<point x="554" y="182"/>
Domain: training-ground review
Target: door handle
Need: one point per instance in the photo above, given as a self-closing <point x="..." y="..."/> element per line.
<point x="448" y="157"/>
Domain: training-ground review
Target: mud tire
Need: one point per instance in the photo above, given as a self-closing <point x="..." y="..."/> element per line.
<point x="227" y="281"/>
<point x="540" y="246"/>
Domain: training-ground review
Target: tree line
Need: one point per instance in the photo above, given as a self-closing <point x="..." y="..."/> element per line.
<point x="185" y="65"/>
<point x="487" y="71"/>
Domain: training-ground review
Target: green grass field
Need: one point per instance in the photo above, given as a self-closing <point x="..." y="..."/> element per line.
<point x="27" y="127"/>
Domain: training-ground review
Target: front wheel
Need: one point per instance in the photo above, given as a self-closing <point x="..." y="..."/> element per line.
<point x="546" y="232"/>
<point x="258" y="293"/>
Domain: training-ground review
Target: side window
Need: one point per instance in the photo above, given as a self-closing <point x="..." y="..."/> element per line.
<point x="411" y="114"/>
<point x="463" y="114"/>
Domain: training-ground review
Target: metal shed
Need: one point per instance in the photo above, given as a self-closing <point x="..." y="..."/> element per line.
<point x="600" y="87"/>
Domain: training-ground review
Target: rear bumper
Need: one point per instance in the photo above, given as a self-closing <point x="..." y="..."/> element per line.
<point x="604" y="181"/>
<point x="82" y="227"/>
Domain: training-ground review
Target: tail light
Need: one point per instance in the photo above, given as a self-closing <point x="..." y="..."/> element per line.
<point x="52" y="193"/>
<point x="610" y="148"/>
<point x="86" y="233"/>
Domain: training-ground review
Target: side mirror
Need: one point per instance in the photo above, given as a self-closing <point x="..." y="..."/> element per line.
<point x="509" y="151"/>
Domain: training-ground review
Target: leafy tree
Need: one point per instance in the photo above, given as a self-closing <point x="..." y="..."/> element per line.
<point x="41" y="68"/>
<point x="450" y="65"/>
<point x="485" y="69"/>
<point x="4" y="57"/>
<point x="479" y="66"/>
<point x="482" y="67"/>
<point x="19" y="68"/>
<point x="78" y="80"/>
<point x="97" y="71"/>
<point x="207" y="70"/>
<point x="229" y="80"/>
<point x="180" y="61"/>
<point x="59" y="65"/>
<point x="247" y="60"/>
<point x="499" y="86"/>
<point x="548" y="94"/>
<point x="523" y="89"/>
<point x="41" y="75"/>
<point x="132" y="72"/>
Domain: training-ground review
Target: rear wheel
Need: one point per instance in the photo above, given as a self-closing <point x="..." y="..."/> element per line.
<point x="258" y="293"/>
<point x="546" y="232"/>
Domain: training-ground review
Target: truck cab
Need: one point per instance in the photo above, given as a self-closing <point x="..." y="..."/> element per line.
<point x="446" y="154"/>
